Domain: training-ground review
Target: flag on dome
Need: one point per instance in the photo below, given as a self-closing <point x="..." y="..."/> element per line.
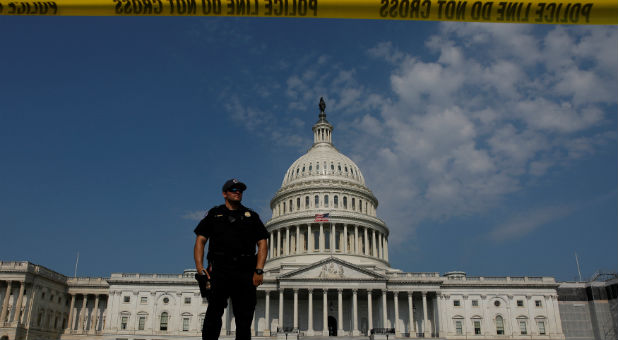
<point x="321" y="217"/>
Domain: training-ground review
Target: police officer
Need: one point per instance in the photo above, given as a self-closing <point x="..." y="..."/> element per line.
<point x="233" y="268"/>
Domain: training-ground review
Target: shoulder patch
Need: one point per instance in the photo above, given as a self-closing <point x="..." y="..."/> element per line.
<point x="247" y="214"/>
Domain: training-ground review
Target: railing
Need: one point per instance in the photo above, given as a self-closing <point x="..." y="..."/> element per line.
<point x="382" y="331"/>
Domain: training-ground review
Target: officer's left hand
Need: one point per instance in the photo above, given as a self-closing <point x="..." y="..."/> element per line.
<point x="257" y="279"/>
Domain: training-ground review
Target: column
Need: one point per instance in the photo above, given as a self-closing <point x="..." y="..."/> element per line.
<point x="267" y="313"/>
<point x="411" y="329"/>
<point x="295" y="308"/>
<point x="280" y="320"/>
<point x="384" y="314"/>
<point x="310" y="315"/>
<point x="309" y="239"/>
<point x="278" y="242"/>
<point x="287" y="241"/>
<point x="554" y="302"/>
<point x="425" y="331"/>
<point x="366" y="252"/>
<point x="5" y="303"/>
<point x="93" y="324"/>
<point x="82" y="312"/>
<point x="380" y="245"/>
<point x="369" y="312"/>
<point x="396" y="305"/>
<point x="374" y="248"/>
<point x="386" y="249"/>
<point x="355" y="312"/>
<point x="325" y="313"/>
<point x="340" y="311"/>
<point x="272" y="245"/>
<point x="440" y="320"/>
<point x="434" y="322"/>
<point x="71" y="315"/>
<point x="345" y="238"/>
<point x="298" y="251"/>
<point x="356" y="239"/>
<point x="321" y="240"/>
<point x="17" y="314"/>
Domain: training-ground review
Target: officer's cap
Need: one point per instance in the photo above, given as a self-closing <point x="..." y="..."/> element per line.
<point x="233" y="183"/>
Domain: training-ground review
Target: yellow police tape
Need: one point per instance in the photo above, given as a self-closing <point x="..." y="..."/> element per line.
<point x="587" y="12"/>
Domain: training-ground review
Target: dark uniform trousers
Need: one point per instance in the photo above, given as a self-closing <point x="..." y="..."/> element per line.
<point x="231" y="277"/>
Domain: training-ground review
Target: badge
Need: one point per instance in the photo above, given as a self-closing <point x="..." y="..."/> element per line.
<point x="247" y="214"/>
<point x="219" y="215"/>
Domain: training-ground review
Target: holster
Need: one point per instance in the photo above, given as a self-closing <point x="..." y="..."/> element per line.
<point x="204" y="284"/>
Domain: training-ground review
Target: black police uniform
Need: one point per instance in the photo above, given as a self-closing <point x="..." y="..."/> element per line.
<point x="232" y="236"/>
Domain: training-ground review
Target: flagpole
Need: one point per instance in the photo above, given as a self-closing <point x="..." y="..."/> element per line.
<point x="76" y="262"/>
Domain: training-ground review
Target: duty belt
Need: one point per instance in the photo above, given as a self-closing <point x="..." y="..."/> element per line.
<point x="221" y="256"/>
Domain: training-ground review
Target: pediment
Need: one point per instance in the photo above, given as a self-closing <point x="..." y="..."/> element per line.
<point x="333" y="268"/>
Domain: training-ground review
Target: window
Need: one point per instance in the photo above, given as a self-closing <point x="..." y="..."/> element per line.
<point x="541" y="325"/>
<point x="337" y="240"/>
<point x="163" y="324"/>
<point x="290" y="205"/>
<point x="538" y="303"/>
<point x="317" y="201"/>
<point x="126" y="299"/>
<point x="144" y="299"/>
<point x="298" y="203"/>
<point x="336" y="201"/>
<point x="499" y="325"/>
<point x="316" y="240"/>
<point x="475" y="303"/>
<point x="360" y="205"/>
<point x="458" y="327"/>
<point x="187" y="301"/>
<point x="477" y="327"/>
<point x="141" y="323"/>
<point x="166" y="300"/>
<point x="520" y="303"/>
<point x="522" y="327"/>
<point x="497" y="303"/>
<point x="353" y="205"/>
<point x="326" y="201"/>
<point x="185" y="324"/>
<point x="345" y="202"/>
<point x="326" y="239"/>
<point x="306" y="202"/>
<point x="42" y="295"/>
<point x="284" y="207"/>
<point x="123" y="322"/>
<point x="456" y="303"/>
<point x="51" y="297"/>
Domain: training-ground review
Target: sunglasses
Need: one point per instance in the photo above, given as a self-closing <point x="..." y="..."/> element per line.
<point x="235" y="190"/>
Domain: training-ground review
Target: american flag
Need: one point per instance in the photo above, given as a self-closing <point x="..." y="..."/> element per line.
<point x="321" y="217"/>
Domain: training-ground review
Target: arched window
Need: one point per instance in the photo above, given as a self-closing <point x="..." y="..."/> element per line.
<point x="332" y="166"/>
<point x="339" y="167"/>
<point x="163" y="323"/>
<point x="336" y="201"/>
<point x="326" y="201"/>
<point x="353" y="204"/>
<point x="298" y="203"/>
<point x="284" y="207"/>
<point x="306" y="202"/>
<point x="360" y="205"/>
<point x="303" y="169"/>
<point x="290" y="205"/>
<point x="345" y="202"/>
<point x="310" y="167"/>
<point x="317" y="201"/>
<point x="499" y="325"/>
<point x="317" y="166"/>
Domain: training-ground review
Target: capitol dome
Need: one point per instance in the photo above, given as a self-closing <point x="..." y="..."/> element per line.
<point x="324" y="208"/>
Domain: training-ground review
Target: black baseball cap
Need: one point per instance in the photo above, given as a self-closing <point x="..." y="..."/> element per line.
<point x="233" y="183"/>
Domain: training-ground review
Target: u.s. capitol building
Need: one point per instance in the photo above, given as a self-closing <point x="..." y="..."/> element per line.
<point x="327" y="274"/>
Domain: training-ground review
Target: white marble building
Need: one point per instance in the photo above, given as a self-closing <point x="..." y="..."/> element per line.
<point x="325" y="275"/>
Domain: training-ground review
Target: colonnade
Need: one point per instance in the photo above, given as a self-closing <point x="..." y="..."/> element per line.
<point x="80" y="321"/>
<point x="427" y="324"/>
<point x="328" y="238"/>
<point x="12" y="312"/>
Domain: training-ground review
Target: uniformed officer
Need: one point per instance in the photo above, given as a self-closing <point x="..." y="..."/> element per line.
<point x="234" y="269"/>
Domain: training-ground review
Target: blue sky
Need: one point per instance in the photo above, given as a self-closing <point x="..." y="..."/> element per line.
<point x="491" y="148"/>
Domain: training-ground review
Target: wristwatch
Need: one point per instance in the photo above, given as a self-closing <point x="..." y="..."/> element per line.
<point x="259" y="271"/>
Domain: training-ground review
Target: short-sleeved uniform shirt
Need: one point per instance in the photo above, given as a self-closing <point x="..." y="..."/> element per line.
<point x="232" y="232"/>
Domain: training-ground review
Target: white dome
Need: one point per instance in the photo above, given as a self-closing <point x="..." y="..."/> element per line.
<point x="323" y="160"/>
<point x="323" y="209"/>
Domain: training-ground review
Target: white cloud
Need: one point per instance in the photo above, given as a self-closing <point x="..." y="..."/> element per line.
<point x="194" y="215"/>
<point x="525" y="223"/>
